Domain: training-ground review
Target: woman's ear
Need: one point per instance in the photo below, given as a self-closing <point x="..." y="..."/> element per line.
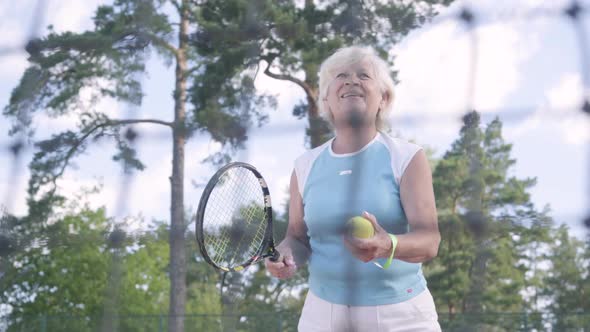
<point x="324" y="101"/>
<point x="384" y="100"/>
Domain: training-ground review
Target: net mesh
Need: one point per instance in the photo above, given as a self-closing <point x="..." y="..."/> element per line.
<point x="237" y="230"/>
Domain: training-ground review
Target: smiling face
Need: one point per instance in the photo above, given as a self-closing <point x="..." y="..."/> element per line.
<point x="354" y="93"/>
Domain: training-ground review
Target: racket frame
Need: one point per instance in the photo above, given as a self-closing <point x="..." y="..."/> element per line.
<point x="267" y="249"/>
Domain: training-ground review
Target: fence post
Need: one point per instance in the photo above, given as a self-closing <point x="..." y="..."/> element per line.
<point x="161" y="323"/>
<point x="280" y="321"/>
<point x="525" y="321"/>
<point x="43" y="323"/>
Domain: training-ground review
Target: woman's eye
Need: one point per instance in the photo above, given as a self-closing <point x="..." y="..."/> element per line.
<point x="341" y="75"/>
<point x="364" y="76"/>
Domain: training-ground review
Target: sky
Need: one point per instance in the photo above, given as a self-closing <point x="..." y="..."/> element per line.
<point x="528" y="73"/>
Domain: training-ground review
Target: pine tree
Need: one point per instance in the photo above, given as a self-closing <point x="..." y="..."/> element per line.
<point x="210" y="44"/>
<point x="108" y="61"/>
<point x="486" y="221"/>
<point x="567" y="282"/>
<point x="290" y="39"/>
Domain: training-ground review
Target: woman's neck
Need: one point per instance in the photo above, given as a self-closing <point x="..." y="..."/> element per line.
<point x="351" y="140"/>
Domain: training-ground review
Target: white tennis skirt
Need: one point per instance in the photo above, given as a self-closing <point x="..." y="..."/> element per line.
<point x="415" y="314"/>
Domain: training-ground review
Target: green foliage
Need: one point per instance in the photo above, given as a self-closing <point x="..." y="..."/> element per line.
<point x="70" y="277"/>
<point x="448" y="274"/>
<point x="291" y="40"/>
<point x="67" y="273"/>
<point x="488" y="226"/>
<point x="67" y="279"/>
<point x="567" y="281"/>
<point x="69" y="72"/>
<point x="145" y="284"/>
<point x="494" y="242"/>
<point x="203" y="281"/>
<point x="65" y="282"/>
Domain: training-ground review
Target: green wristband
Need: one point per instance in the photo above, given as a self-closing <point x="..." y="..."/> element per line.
<point x="393" y="245"/>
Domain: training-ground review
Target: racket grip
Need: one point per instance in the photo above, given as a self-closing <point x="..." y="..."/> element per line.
<point x="275" y="255"/>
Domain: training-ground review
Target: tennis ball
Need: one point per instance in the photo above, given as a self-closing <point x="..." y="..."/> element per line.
<point x="360" y="227"/>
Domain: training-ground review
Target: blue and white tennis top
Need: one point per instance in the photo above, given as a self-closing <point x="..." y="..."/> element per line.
<point x="335" y="187"/>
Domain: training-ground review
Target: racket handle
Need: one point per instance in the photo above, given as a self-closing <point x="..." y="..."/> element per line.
<point x="275" y="255"/>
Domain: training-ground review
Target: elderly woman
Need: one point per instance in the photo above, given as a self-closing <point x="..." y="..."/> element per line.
<point x="361" y="171"/>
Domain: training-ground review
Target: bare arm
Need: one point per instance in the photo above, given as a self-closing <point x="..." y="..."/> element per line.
<point x="296" y="239"/>
<point x="417" y="196"/>
<point x="294" y="248"/>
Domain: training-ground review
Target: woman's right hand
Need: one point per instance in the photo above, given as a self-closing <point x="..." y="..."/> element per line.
<point x="284" y="267"/>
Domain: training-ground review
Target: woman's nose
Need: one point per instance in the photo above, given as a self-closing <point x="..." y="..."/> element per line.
<point x="352" y="80"/>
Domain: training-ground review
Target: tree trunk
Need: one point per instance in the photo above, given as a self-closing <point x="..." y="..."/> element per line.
<point x="319" y="130"/>
<point x="473" y="300"/>
<point x="177" y="220"/>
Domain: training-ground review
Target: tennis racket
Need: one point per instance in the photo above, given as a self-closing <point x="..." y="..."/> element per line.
<point x="234" y="219"/>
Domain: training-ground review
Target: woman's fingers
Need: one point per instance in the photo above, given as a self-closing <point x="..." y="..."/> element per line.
<point x="284" y="267"/>
<point x="367" y="249"/>
<point x="373" y="221"/>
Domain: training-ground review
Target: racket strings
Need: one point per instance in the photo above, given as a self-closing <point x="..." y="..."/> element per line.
<point x="235" y="218"/>
<point x="255" y="241"/>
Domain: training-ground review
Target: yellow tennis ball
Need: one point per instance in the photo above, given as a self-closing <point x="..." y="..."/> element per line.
<point x="360" y="227"/>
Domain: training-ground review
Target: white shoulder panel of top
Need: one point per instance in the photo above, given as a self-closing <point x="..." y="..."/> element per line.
<point x="304" y="163"/>
<point x="401" y="152"/>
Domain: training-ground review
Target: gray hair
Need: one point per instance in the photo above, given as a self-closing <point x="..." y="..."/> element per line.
<point x="347" y="56"/>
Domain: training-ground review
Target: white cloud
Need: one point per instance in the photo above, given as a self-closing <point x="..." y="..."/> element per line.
<point x="434" y="73"/>
<point x="559" y="114"/>
<point x="502" y="51"/>
<point x="16" y="22"/>
<point x="13" y="186"/>
<point x="566" y="97"/>
<point x="12" y="66"/>
<point x="20" y="20"/>
<point x="434" y="67"/>
<point x="15" y="27"/>
<point x="512" y="9"/>
<point x="72" y="15"/>
<point x="425" y="67"/>
<point x="139" y="193"/>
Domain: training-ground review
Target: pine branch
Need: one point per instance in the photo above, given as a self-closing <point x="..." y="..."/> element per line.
<point x="176" y="5"/>
<point x="134" y="121"/>
<point x="79" y="141"/>
<point x="302" y="84"/>
<point x="161" y="42"/>
<point x="191" y="71"/>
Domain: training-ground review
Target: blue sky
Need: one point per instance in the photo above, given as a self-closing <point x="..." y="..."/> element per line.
<point x="522" y="62"/>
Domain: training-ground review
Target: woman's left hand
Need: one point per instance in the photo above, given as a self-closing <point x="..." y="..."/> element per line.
<point x="377" y="246"/>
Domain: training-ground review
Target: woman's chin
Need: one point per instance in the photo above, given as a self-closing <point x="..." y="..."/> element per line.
<point x="353" y="118"/>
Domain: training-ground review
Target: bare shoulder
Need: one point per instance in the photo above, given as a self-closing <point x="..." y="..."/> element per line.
<point x="418" y="166"/>
<point x="417" y="192"/>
